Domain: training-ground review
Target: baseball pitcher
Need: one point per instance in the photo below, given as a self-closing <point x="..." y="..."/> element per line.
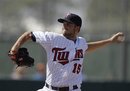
<point x="65" y="53"/>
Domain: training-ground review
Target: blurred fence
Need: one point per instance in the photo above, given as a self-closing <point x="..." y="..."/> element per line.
<point x="11" y="85"/>
<point x="110" y="63"/>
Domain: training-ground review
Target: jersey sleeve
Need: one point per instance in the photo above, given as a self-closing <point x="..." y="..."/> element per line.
<point x="41" y="37"/>
<point x="84" y="43"/>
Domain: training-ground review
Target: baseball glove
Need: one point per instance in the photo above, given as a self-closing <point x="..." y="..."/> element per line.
<point x="22" y="58"/>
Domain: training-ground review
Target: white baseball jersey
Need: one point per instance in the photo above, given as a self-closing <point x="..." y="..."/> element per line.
<point x="64" y="58"/>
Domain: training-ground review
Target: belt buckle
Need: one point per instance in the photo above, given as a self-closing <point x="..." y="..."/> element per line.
<point x="63" y="89"/>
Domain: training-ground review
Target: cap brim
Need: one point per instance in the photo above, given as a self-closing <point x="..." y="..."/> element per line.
<point x="63" y="20"/>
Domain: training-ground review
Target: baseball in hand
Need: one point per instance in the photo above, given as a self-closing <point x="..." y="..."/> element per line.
<point x="121" y="38"/>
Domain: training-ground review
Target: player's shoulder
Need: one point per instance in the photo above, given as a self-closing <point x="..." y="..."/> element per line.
<point x="81" y="38"/>
<point x="46" y="33"/>
<point x="82" y="41"/>
<point x="53" y="34"/>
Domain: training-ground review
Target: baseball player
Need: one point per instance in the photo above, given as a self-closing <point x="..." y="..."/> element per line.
<point x="65" y="53"/>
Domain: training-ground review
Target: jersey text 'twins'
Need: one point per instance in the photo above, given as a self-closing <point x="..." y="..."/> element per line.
<point x="62" y="56"/>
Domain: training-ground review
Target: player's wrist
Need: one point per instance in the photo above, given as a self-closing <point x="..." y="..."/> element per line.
<point x="12" y="52"/>
<point x="110" y="40"/>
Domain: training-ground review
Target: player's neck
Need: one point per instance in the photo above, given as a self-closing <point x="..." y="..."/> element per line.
<point x="71" y="37"/>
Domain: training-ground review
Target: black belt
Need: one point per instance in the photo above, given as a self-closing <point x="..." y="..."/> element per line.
<point x="60" y="88"/>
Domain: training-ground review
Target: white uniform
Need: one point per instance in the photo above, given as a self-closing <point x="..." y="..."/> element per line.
<point x="64" y="59"/>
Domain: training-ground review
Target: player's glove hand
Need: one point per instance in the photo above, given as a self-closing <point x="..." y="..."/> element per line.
<point x="22" y="58"/>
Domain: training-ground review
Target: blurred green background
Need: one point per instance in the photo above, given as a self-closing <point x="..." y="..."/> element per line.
<point x="101" y="19"/>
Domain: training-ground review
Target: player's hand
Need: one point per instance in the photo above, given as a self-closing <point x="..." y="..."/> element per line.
<point x="12" y="54"/>
<point x="117" y="38"/>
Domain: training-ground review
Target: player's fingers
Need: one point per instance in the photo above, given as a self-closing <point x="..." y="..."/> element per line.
<point x="120" y="37"/>
<point x="120" y="34"/>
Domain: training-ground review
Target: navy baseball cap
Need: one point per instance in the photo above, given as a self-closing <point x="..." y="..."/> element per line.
<point x="72" y="18"/>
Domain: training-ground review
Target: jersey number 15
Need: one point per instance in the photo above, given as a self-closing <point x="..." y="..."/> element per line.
<point x="77" y="68"/>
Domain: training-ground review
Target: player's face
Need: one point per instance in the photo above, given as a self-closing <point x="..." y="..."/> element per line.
<point x="69" y="28"/>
